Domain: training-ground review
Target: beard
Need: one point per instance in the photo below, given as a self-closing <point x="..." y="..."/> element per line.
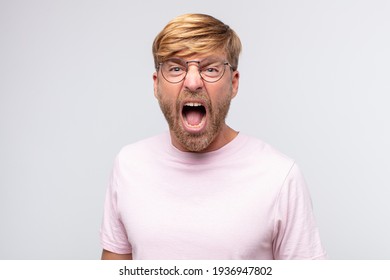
<point x="216" y="115"/>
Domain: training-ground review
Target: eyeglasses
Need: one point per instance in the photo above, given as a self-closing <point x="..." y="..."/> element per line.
<point x="175" y="70"/>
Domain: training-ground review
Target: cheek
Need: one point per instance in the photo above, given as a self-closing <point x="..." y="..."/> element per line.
<point x="221" y="95"/>
<point x="167" y="97"/>
<point x="166" y="91"/>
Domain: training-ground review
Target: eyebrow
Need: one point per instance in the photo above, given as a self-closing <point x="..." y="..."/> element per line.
<point x="207" y="60"/>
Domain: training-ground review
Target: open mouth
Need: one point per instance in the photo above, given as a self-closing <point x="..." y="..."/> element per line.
<point x="194" y="116"/>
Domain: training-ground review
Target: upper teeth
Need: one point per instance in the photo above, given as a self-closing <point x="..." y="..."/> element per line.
<point x="193" y="104"/>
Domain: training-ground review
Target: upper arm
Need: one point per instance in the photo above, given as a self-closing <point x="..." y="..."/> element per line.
<point x="296" y="231"/>
<point x="107" y="255"/>
<point x="113" y="235"/>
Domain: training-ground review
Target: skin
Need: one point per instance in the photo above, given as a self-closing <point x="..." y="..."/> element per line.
<point x="216" y="96"/>
<point x="107" y="255"/>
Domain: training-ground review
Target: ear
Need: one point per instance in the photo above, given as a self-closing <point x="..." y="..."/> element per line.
<point x="235" y="83"/>
<point x="155" y="84"/>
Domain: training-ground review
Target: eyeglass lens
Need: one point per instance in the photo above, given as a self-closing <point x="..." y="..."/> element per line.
<point x="175" y="70"/>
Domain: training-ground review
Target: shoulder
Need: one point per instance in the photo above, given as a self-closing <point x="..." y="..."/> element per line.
<point x="143" y="150"/>
<point x="266" y="154"/>
<point x="145" y="145"/>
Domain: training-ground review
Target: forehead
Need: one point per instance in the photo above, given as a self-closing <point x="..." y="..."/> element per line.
<point x="202" y="61"/>
<point x="216" y="55"/>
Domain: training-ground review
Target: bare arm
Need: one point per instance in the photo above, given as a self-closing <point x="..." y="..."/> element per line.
<point x="107" y="255"/>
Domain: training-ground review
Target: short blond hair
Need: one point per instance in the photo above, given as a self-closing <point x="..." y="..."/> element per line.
<point x="192" y="34"/>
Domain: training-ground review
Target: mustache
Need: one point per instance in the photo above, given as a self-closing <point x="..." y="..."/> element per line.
<point x="193" y="93"/>
<point x="200" y="95"/>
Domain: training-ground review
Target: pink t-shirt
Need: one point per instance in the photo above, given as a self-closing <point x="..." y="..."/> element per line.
<point x="243" y="201"/>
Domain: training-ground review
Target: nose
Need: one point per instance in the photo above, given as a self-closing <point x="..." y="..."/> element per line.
<point x="193" y="81"/>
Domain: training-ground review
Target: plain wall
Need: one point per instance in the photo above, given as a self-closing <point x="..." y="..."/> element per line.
<point x="76" y="86"/>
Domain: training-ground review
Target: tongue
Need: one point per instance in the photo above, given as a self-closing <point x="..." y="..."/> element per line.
<point x="194" y="117"/>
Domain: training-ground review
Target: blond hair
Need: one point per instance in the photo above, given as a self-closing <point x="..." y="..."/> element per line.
<point x="192" y="34"/>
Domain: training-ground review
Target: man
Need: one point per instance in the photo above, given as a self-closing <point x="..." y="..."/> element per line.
<point x="203" y="190"/>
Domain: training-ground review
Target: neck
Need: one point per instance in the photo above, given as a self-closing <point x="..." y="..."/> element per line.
<point x="225" y="136"/>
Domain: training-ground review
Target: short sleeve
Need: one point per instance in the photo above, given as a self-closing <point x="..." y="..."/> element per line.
<point x="296" y="235"/>
<point x="113" y="235"/>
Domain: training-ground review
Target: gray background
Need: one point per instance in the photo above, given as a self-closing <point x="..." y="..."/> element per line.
<point x="76" y="86"/>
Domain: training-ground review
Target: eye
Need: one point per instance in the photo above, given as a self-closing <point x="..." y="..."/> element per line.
<point x="173" y="69"/>
<point x="176" y="68"/>
<point x="211" y="69"/>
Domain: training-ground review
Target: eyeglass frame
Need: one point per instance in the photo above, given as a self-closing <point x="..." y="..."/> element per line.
<point x="199" y="69"/>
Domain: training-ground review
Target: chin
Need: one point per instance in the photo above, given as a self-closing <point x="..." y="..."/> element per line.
<point x="195" y="142"/>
